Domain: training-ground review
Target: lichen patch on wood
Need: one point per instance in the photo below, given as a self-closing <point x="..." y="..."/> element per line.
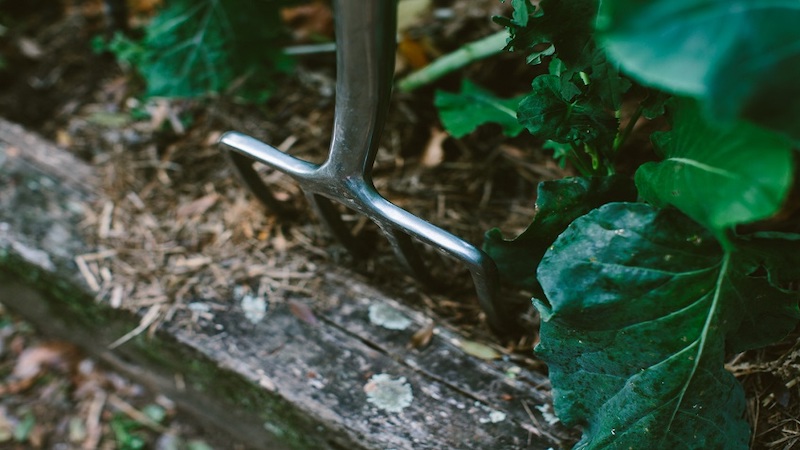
<point x="389" y="394"/>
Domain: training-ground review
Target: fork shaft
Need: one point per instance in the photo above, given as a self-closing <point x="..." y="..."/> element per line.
<point x="365" y="52"/>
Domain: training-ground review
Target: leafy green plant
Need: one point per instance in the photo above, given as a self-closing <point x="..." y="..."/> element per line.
<point x="195" y="48"/>
<point x="486" y="108"/>
<point x="647" y="281"/>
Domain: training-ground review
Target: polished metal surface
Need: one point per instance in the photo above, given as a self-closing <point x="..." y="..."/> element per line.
<point x="366" y="39"/>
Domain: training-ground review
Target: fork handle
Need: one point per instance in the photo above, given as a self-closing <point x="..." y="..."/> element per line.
<point x="366" y="35"/>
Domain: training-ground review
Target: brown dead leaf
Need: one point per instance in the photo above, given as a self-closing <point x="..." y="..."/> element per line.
<point x="413" y="52"/>
<point x="302" y="312"/>
<point x="313" y="20"/>
<point x="479" y="350"/>
<point x="422" y="337"/>
<point x="146" y="7"/>
<point x="33" y="360"/>
<point x="197" y="207"/>
<point x="433" y="155"/>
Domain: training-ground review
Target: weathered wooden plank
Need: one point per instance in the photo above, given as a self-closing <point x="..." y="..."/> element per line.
<point x="282" y="382"/>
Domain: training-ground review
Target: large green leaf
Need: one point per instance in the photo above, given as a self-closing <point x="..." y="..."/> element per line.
<point x="463" y="112"/>
<point x="640" y="303"/>
<point x="558" y="203"/>
<point x="197" y="47"/>
<point x="719" y="176"/>
<point x="741" y="56"/>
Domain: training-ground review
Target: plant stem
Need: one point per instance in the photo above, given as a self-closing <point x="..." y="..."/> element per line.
<point x="622" y="137"/>
<point x="483" y="48"/>
<point x="577" y="161"/>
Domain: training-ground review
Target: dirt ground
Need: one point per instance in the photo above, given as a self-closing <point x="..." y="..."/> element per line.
<point x="180" y="226"/>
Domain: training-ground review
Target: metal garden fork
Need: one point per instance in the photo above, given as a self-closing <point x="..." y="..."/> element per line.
<point x="365" y="42"/>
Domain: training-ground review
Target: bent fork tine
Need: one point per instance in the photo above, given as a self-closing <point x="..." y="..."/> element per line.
<point x="409" y="256"/>
<point x="332" y="219"/>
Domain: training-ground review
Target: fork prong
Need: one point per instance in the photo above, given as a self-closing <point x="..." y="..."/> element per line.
<point x="331" y="217"/>
<point x="408" y="254"/>
<point x="251" y="178"/>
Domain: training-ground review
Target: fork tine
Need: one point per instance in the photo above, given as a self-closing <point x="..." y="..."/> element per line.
<point x="332" y="218"/>
<point x="248" y="175"/>
<point x="407" y="253"/>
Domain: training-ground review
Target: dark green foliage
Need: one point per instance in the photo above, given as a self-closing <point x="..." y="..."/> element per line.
<point x="556" y="110"/>
<point x="558" y="203"/>
<point x="195" y="48"/>
<point x="641" y="306"/>
<point x="565" y="26"/>
<point x="741" y="58"/>
<point x="642" y="303"/>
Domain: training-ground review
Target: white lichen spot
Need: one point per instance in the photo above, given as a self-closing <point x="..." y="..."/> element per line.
<point x="513" y="371"/>
<point x="387" y="393"/>
<point x="547" y="414"/>
<point x="387" y="317"/>
<point x="497" y="416"/>
<point x="254" y="307"/>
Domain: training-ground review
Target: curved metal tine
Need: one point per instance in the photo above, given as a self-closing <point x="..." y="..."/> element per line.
<point x="408" y="254"/>
<point x="251" y="178"/>
<point x="332" y="219"/>
<point x="501" y="317"/>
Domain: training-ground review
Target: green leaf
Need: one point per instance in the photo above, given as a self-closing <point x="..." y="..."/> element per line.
<point x="654" y="105"/>
<point x="22" y="432"/>
<point x="606" y="82"/>
<point x="462" y="113"/>
<point x="641" y="302"/>
<point x="522" y="9"/>
<point x="567" y="26"/>
<point x="719" y="176"/>
<point x="558" y="203"/>
<point x="742" y="57"/>
<point x="778" y="254"/>
<point x="555" y="110"/>
<point x="155" y="412"/>
<point x="194" y="48"/>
